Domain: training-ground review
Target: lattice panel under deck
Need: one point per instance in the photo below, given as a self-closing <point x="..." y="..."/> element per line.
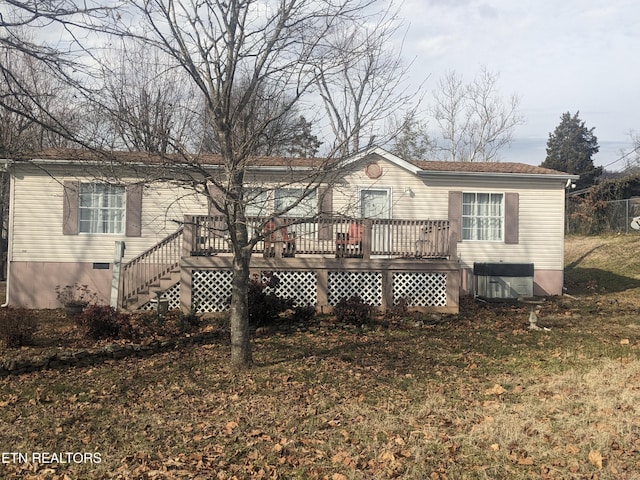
<point x="366" y="285"/>
<point x="172" y="294"/>
<point x="211" y="290"/>
<point x="301" y="286"/>
<point x="421" y="289"/>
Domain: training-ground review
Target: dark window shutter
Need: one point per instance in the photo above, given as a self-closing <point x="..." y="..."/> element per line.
<point x="455" y="215"/>
<point x="511" y="218"/>
<point x="134" y="211"/>
<point x="70" y="207"/>
<point x="325" y="209"/>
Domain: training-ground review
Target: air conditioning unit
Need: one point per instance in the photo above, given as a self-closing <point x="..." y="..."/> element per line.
<point x="503" y="281"/>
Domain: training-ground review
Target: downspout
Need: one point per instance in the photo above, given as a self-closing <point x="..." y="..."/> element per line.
<point x="9" y="234"/>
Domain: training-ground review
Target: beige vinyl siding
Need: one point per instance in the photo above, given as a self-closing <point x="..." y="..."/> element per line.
<point x="408" y="195"/>
<point x="37" y="232"/>
<point x="541" y="223"/>
<point x="541" y="210"/>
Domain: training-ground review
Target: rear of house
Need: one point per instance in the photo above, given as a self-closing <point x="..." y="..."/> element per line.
<point x="67" y="215"/>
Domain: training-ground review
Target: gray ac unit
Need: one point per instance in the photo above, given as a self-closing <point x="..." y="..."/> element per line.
<point x="503" y="281"/>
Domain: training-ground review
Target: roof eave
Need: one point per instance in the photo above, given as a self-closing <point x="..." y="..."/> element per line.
<point x="543" y="176"/>
<point x="75" y="162"/>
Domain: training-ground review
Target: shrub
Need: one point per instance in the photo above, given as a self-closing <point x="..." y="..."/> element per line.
<point x="398" y="310"/>
<point x="17" y="326"/>
<point x="149" y="324"/>
<point x="353" y="310"/>
<point x="177" y="323"/>
<point x="303" y="313"/>
<point x="266" y="307"/>
<point x="103" y="321"/>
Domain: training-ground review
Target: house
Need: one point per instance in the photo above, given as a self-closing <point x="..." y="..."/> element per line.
<point x="386" y="228"/>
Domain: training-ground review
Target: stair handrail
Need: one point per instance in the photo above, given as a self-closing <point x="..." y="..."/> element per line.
<point x="139" y="273"/>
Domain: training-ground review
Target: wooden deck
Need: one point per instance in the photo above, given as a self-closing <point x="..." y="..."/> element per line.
<point x="328" y="236"/>
<point x="319" y="261"/>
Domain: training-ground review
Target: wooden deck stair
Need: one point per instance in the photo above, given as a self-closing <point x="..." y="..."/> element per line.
<point x="155" y="270"/>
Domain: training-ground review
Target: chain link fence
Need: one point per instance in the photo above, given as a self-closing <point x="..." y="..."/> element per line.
<point x="615" y="216"/>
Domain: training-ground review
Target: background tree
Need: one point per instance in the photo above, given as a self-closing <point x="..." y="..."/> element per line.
<point x="238" y="55"/>
<point x="474" y="121"/>
<point x="570" y="149"/>
<point x="27" y="88"/>
<point x="288" y="134"/>
<point x="411" y="142"/>
<point x="147" y="104"/>
<point x="360" y="81"/>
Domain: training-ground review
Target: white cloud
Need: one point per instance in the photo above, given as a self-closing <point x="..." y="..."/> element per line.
<point x="557" y="56"/>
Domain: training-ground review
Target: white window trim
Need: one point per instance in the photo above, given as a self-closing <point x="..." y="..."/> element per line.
<point x="389" y="191"/>
<point x="502" y="217"/>
<point x="123" y="223"/>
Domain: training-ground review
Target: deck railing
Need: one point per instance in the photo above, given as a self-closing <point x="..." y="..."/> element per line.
<point x="150" y="266"/>
<point x="339" y="236"/>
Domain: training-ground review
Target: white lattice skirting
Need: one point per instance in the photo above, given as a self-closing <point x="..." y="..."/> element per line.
<point x="172" y="294"/>
<point x="366" y="285"/>
<point x="420" y="289"/>
<point x="301" y="286"/>
<point x="212" y="288"/>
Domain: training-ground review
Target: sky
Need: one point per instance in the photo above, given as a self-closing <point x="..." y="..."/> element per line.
<point x="556" y="55"/>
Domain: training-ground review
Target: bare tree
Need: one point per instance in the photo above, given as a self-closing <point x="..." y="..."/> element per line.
<point x="474" y="122"/>
<point x="237" y="54"/>
<point x="147" y="103"/>
<point x="30" y="99"/>
<point x="287" y="134"/>
<point x="361" y="84"/>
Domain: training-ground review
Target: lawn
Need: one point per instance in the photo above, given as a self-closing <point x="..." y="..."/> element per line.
<point x="472" y="396"/>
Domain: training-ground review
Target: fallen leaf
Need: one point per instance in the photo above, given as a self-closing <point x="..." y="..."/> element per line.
<point x="573" y="449"/>
<point x="495" y="447"/>
<point x="595" y="458"/>
<point x="495" y="390"/>
<point x="525" y="460"/>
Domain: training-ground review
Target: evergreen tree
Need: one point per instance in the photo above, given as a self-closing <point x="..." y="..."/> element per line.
<point x="412" y="141"/>
<point x="570" y="149"/>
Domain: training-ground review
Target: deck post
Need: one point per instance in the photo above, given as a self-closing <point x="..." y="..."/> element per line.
<point x="186" y="285"/>
<point x="188" y="235"/>
<point x="322" y="292"/>
<point x="454" y="235"/>
<point x="279" y="237"/>
<point x="453" y="289"/>
<point x="366" y="238"/>
<point x="387" y="289"/>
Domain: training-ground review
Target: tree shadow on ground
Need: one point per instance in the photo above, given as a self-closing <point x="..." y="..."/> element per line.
<point x="579" y="280"/>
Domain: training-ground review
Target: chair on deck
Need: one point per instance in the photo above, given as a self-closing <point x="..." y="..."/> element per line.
<point x="278" y="236"/>
<point x="350" y="244"/>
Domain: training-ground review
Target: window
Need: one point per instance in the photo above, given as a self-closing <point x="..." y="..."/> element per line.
<point x="101" y="208"/>
<point x="482" y="216"/>
<point x="286" y="198"/>
<point x="257" y="203"/>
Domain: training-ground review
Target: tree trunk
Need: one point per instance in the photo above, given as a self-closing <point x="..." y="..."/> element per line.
<point x="240" y="333"/>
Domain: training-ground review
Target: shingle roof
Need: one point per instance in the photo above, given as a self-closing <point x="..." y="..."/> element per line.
<point x="80" y="155"/>
<point x="484" y="167"/>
